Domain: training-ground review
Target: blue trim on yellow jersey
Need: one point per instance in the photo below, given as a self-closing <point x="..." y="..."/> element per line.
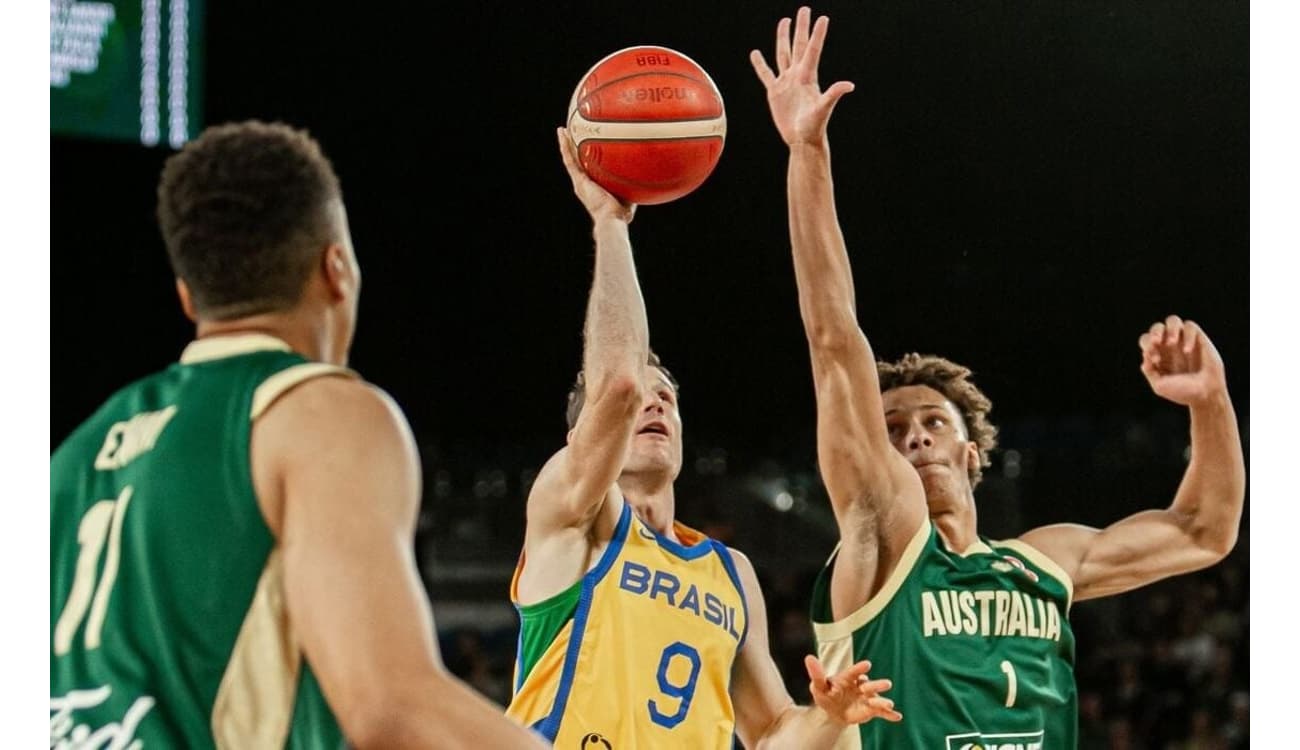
<point x="694" y="552"/>
<point x="725" y="555"/>
<point x="550" y="726"/>
<point x="519" y="653"/>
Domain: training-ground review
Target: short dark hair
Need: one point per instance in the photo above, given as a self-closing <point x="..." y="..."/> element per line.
<point x="244" y="210"/>
<point x="578" y="393"/>
<point x="953" y="381"/>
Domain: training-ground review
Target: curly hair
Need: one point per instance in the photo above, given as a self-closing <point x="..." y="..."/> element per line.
<point x="953" y="381"/>
<point x="244" y="210"/>
<point x="578" y="393"/>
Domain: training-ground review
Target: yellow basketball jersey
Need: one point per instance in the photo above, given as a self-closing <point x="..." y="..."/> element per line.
<point x="645" y="659"/>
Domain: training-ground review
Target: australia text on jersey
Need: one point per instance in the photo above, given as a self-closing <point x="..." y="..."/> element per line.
<point x="996" y="613"/>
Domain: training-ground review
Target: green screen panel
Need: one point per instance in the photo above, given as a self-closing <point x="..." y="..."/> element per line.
<point x="127" y="70"/>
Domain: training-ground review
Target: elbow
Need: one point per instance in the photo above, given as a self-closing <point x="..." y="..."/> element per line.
<point x="621" y="393"/>
<point x="830" y="336"/>
<point x="1222" y="542"/>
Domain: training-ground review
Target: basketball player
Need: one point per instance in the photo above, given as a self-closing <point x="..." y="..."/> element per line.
<point x="638" y="631"/>
<point x="978" y="627"/>
<point x="231" y="539"/>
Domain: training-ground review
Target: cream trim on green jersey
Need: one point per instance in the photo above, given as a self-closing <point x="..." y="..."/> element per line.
<point x="280" y="383"/>
<point x="1049" y="566"/>
<point x="826" y="631"/>
<point x="220" y="347"/>
<point x="254" y="703"/>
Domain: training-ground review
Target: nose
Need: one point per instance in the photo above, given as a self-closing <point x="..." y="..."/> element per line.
<point x="654" y="404"/>
<point x="917" y="437"/>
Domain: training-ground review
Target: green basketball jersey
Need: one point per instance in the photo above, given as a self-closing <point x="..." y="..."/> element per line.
<point x="168" y="626"/>
<point x="977" y="644"/>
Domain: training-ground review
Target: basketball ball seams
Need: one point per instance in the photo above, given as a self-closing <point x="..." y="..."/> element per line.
<point x="649" y="124"/>
<point x="581" y="129"/>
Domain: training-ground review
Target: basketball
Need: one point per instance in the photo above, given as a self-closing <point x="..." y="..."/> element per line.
<point x="648" y="124"/>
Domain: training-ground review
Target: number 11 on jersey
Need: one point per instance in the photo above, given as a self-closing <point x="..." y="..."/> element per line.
<point x="102" y="521"/>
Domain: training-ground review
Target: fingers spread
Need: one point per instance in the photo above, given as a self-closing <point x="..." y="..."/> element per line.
<point x="813" y="54"/>
<point x="782" y="45"/>
<point x="800" y="33"/>
<point x="765" y="74"/>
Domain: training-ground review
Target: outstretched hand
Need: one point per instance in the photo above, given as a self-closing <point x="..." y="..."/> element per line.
<point x="850" y="697"/>
<point x="1181" y="363"/>
<point x="597" y="200"/>
<point x="799" y="107"/>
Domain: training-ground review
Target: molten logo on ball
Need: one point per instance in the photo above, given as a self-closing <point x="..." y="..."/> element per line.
<point x="648" y="123"/>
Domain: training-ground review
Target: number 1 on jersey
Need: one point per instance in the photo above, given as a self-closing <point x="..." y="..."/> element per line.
<point x="1010" y="672"/>
<point x="102" y="520"/>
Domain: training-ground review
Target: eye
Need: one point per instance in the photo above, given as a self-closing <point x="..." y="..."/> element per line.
<point x="895" y="429"/>
<point x="935" y="421"/>
<point x="666" y="396"/>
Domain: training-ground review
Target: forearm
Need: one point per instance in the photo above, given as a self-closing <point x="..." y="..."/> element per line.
<point x="801" y="728"/>
<point x="616" y="339"/>
<point x="444" y="714"/>
<point x="821" y="262"/>
<point x="1213" y="490"/>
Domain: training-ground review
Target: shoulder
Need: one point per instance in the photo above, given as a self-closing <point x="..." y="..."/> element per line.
<point x="745" y="572"/>
<point x="323" y="413"/>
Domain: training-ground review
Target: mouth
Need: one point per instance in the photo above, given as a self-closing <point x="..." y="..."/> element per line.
<point x="655" y="428"/>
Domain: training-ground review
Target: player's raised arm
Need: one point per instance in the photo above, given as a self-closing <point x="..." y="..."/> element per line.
<point x="1200" y="527"/>
<point x="572" y="486"/>
<point x="877" y="496"/>
<point x="767" y="717"/>
<point x="343" y="504"/>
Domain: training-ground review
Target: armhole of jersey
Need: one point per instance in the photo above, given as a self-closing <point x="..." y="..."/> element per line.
<point x="729" y="563"/>
<point x="843" y="628"/>
<point x="254" y="703"/>
<point x="280" y="383"/>
<point x="1048" y="565"/>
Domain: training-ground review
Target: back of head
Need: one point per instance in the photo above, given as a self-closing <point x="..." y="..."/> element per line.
<point x="245" y="210"/>
<point x="953" y="381"/>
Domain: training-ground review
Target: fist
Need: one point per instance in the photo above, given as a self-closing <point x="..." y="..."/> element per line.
<point x="1180" y="363"/>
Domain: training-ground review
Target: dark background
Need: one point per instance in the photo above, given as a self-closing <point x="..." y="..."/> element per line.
<point x="1024" y="188"/>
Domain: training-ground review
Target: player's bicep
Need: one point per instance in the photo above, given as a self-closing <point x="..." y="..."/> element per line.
<point x="563" y="497"/>
<point x="348" y="475"/>
<point x="1140" y="549"/>
<point x="868" y="480"/>
<point x="571" y="487"/>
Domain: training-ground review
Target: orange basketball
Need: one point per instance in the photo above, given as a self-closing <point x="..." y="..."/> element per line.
<point x="648" y="123"/>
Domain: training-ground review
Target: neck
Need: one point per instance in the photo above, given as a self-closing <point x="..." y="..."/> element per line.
<point x="956" y="522"/>
<point x="652" y="500"/>
<point x="304" y="335"/>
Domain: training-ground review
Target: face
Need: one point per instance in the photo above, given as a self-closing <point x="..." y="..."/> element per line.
<point x="351" y="291"/>
<point x="929" y="431"/>
<point x="657" y="441"/>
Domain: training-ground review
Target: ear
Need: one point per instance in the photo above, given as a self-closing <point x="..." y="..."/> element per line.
<point x="568" y="436"/>
<point x="187" y="301"/>
<point x="339" y="274"/>
<point x="972" y="453"/>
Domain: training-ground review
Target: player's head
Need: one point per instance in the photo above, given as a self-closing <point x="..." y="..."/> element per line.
<point x="657" y="442"/>
<point x="252" y="216"/>
<point x="938" y="419"/>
